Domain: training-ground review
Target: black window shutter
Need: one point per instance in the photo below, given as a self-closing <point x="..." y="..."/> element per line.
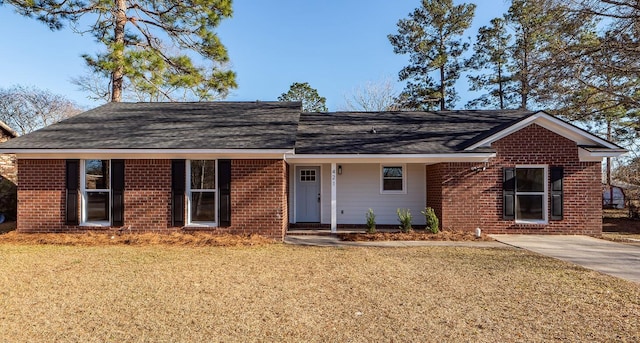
<point x="224" y="185"/>
<point x="117" y="192"/>
<point x="509" y="193"/>
<point x="72" y="178"/>
<point x="557" y="176"/>
<point x="177" y="192"/>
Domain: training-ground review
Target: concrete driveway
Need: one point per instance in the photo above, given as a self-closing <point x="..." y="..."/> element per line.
<point x="617" y="259"/>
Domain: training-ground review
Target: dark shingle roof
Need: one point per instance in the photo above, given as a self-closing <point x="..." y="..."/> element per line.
<point x="201" y="125"/>
<point x="399" y="132"/>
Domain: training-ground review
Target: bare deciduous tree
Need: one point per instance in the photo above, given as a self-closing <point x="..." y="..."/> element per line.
<point x="373" y="96"/>
<point x="27" y="109"/>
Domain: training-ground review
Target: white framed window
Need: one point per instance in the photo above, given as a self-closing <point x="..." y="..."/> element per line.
<point x="202" y="195"/>
<point x="393" y="179"/>
<point x="531" y="194"/>
<point x="95" y="186"/>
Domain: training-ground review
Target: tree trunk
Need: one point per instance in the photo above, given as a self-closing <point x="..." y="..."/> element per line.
<point x="524" y="79"/>
<point x="117" y="74"/>
<point x="442" y="90"/>
<point x="609" y="165"/>
<point x="500" y="89"/>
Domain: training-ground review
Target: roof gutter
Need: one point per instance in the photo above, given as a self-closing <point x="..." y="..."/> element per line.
<point x="389" y="158"/>
<point x="147" y="153"/>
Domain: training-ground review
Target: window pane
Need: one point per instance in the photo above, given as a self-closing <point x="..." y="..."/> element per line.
<point x="530" y="180"/>
<point x="97" y="174"/>
<point x="97" y="206"/>
<point x="392" y="184"/>
<point x="392" y="172"/>
<point x="307" y="175"/>
<point x="203" y="206"/>
<point x="529" y="207"/>
<point x="203" y="174"/>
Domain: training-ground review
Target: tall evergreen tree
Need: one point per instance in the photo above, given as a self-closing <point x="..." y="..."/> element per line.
<point x="311" y="100"/>
<point x="592" y="93"/>
<point x="431" y="36"/>
<point x="541" y="29"/>
<point x="491" y="54"/>
<point x="149" y="43"/>
<point x="530" y="21"/>
<point x="619" y="37"/>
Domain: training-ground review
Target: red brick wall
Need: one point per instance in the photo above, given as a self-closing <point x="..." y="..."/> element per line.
<point x="147" y="195"/>
<point x="41" y="196"/>
<point x="435" y="173"/>
<point x="258" y="196"/>
<point x="473" y="199"/>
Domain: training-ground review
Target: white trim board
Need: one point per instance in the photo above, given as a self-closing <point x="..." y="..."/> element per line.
<point x="581" y="137"/>
<point x="148" y="153"/>
<point x="389" y="158"/>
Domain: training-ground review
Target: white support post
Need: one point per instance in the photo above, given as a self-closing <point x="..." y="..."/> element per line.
<point x="334" y="202"/>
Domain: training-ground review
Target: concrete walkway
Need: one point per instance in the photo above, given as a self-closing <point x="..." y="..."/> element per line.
<point x="617" y="259"/>
<point x="333" y="241"/>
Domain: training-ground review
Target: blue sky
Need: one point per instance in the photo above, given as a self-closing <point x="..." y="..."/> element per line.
<point x="334" y="45"/>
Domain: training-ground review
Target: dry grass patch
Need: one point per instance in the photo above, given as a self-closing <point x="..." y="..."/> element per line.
<point x="282" y="293"/>
<point x="197" y="239"/>
<point x="622" y="237"/>
<point x="414" y="236"/>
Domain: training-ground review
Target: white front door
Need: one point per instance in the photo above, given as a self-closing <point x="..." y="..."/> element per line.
<point x="308" y="194"/>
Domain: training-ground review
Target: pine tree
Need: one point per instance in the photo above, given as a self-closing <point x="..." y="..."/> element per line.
<point x="431" y="36"/>
<point x="311" y="100"/>
<point x="149" y="43"/>
<point x="491" y="54"/>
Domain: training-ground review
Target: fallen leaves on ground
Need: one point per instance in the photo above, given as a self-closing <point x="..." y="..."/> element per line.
<point x="195" y="239"/>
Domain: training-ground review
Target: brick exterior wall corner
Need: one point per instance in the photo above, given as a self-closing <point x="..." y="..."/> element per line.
<point x="470" y="199"/>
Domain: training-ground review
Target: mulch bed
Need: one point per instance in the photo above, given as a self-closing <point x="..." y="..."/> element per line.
<point x="413" y="236"/>
<point x="196" y="239"/>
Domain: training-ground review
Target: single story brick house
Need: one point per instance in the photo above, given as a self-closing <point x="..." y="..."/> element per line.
<point x="263" y="167"/>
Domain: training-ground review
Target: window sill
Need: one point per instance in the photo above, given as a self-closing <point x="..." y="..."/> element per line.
<point x="393" y="192"/>
<point x="201" y="225"/>
<point x="96" y="224"/>
<point x="532" y="222"/>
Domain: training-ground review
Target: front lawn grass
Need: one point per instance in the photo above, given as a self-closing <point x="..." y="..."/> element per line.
<point x="282" y="293"/>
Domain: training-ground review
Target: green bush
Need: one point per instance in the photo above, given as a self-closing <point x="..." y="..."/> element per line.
<point x="371" y="221"/>
<point x="404" y="217"/>
<point x="432" y="220"/>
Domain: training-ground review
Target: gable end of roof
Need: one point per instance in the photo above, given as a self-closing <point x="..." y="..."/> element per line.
<point x="551" y="123"/>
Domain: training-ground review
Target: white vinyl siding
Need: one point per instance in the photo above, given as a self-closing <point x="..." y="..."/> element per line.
<point x="358" y="189"/>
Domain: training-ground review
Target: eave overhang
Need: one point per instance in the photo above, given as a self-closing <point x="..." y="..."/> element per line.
<point x="147" y="153"/>
<point x="389" y="158"/>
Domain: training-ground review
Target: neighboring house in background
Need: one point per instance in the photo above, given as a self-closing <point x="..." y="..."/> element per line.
<point x="8" y="168"/>
<point x="262" y="167"/>
<point x="8" y="177"/>
<point x="613" y="197"/>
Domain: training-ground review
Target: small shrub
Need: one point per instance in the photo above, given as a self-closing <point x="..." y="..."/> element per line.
<point x="404" y="217"/>
<point x="371" y="221"/>
<point x="432" y="220"/>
